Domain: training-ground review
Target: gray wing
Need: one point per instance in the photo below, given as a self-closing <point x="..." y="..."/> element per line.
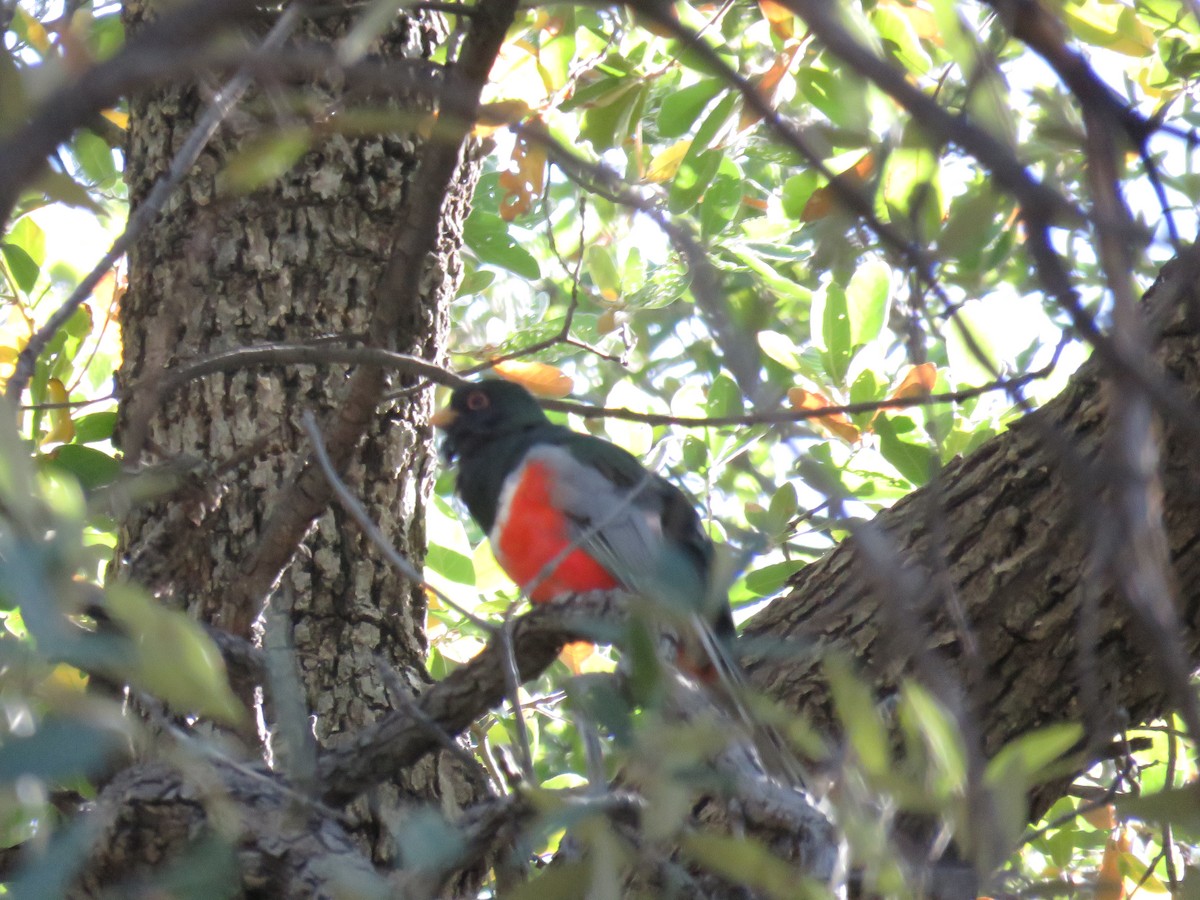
<point x="621" y="525"/>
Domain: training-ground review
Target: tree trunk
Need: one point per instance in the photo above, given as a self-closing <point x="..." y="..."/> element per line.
<point x="988" y="584"/>
<point x="294" y="261"/>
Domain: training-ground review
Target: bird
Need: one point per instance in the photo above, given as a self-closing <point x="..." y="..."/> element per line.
<point x="567" y="513"/>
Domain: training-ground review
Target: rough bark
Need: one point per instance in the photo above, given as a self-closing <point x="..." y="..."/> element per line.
<point x="978" y="579"/>
<point x="296" y="260"/>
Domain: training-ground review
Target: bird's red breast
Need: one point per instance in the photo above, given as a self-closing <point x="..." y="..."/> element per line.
<point x="530" y="532"/>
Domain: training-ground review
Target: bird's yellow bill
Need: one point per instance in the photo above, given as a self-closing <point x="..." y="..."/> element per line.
<point x="443" y="418"/>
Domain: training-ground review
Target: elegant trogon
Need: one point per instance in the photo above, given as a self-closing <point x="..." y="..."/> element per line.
<point x="567" y="512"/>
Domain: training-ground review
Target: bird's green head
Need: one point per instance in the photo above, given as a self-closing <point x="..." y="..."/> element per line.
<point x="481" y="413"/>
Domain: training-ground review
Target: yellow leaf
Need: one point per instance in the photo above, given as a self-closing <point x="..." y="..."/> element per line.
<point x="66" y="679"/>
<point x="62" y="429"/>
<point x="39" y="38"/>
<point x="500" y="115"/>
<point x="664" y="165"/>
<point x="118" y="118"/>
<point x="538" y="378"/>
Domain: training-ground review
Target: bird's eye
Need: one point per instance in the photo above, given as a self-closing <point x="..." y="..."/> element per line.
<point x="477" y="400"/>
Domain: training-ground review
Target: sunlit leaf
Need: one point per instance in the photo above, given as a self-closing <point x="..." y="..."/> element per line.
<point x="783" y="21"/>
<point x="835" y="422"/>
<point x="867" y="297"/>
<point x="856" y="710"/>
<point x="681" y="108"/>
<point x="768" y="84"/>
<point x="95" y="427"/>
<point x="488" y="236"/>
<point x="576" y="654"/>
<point x="21" y="266"/>
<point x="62" y="428"/>
<point x="92" y="467"/>
<point x="664" y="166"/>
<point x="914" y="461"/>
<point x="918" y="381"/>
<point x="538" y="378"/>
<point x="175" y="659"/>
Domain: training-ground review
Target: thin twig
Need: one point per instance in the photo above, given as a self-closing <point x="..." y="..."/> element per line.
<point x="350" y="503"/>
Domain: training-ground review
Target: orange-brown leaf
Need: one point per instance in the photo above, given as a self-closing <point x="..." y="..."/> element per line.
<point x="783" y="23"/>
<point x="917" y="383"/>
<point x="768" y="83"/>
<point x="575" y="654"/>
<point x="824" y="199"/>
<point x="1109" y="883"/>
<point x="524" y="181"/>
<point x="538" y="378"/>
<point x="834" y="422"/>
<point x="1103" y="818"/>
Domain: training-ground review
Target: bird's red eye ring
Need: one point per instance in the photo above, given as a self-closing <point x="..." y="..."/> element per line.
<point x="477" y="400"/>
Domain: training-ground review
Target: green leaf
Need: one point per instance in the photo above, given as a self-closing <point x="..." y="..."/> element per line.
<point x="475" y="282"/>
<point x="1179" y="807"/>
<point x="856" y="710"/>
<point x="835" y="333"/>
<point x="59" y="187"/>
<point x="714" y="126"/>
<point x="175" y="659"/>
<point x="693" y="178"/>
<point x="769" y="579"/>
<point x="488" y="236"/>
<point x="95" y="158"/>
<point x="796" y="192"/>
<point x="939" y="732"/>
<point x="450" y="564"/>
<point x="92" y="467"/>
<point x="608" y="123"/>
<point x="1031" y="754"/>
<point x="724" y="398"/>
<point x="263" y="160"/>
<point x="681" y="108"/>
<point x="899" y="36"/>
<point x="558" y="882"/>
<point x="747" y="862"/>
<point x="867" y="301"/>
<point x="911" y="192"/>
<point x="29" y="237"/>
<point x="840" y="95"/>
<point x="663" y="286"/>
<point x="21" y="266"/>
<point x="914" y="461"/>
<point x="722" y="200"/>
<point x="602" y="266"/>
